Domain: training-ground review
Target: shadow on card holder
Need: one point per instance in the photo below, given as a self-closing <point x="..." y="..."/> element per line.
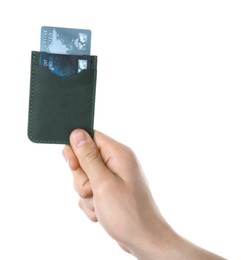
<point x="58" y="105"/>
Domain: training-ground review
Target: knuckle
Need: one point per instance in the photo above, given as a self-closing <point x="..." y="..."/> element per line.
<point x="92" y="216"/>
<point x="94" y="219"/>
<point x="130" y="153"/>
<point x="126" y="153"/>
<point x="84" y="193"/>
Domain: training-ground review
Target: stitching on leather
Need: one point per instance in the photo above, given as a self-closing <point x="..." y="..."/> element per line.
<point x="93" y="97"/>
<point x="32" y="100"/>
<point x="31" y="95"/>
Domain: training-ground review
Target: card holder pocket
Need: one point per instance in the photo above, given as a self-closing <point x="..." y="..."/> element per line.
<point x="58" y="105"/>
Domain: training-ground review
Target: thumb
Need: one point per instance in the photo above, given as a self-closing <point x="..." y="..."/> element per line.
<point x="88" y="156"/>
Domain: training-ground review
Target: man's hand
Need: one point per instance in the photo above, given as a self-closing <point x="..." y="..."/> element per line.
<point x="113" y="190"/>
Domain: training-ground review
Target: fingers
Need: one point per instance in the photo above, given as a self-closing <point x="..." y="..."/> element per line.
<point x="89" y="157"/>
<point x="88" y="208"/>
<point x="70" y="157"/>
<point x="81" y="184"/>
<point x="80" y="179"/>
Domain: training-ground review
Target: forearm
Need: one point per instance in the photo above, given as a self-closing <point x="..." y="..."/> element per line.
<point x="168" y="245"/>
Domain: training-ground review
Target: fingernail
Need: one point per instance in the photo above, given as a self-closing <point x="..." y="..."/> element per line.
<point x="79" y="138"/>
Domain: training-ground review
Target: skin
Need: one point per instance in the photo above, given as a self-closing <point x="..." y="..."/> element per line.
<point x="113" y="191"/>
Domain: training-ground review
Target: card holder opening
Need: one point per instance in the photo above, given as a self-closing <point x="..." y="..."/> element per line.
<point x="46" y="71"/>
<point x="58" y="105"/>
<point x="42" y="75"/>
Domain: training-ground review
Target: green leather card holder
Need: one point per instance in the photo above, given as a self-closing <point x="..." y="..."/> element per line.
<point x="58" y="105"/>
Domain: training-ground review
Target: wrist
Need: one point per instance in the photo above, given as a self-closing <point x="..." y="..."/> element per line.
<point x="158" y="242"/>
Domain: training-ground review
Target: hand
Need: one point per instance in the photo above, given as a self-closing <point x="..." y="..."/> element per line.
<point x="113" y="190"/>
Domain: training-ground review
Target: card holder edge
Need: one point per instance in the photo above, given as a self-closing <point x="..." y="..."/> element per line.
<point x="34" y="59"/>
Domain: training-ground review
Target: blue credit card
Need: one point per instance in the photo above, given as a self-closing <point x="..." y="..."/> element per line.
<point x="65" y="65"/>
<point x="65" y="40"/>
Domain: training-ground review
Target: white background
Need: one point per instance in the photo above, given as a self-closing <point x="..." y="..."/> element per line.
<point x="168" y="86"/>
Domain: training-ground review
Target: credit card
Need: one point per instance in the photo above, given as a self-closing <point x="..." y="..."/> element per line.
<point x="65" y="65"/>
<point x="65" y="40"/>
